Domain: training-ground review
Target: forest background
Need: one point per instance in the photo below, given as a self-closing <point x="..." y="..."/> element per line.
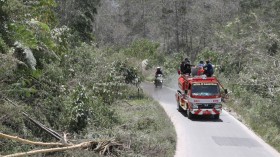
<point x="71" y="63"/>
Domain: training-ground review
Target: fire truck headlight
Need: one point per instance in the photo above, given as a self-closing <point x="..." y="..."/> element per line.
<point x="218" y="106"/>
<point x="194" y="106"/>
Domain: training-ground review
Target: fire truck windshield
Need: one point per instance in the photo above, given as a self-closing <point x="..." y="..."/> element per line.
<point x="205" y="89"/>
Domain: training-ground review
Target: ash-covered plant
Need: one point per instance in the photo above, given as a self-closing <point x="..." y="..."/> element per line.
<point x="3" y="46"/>
<point x="129" y="73"/>
<point x="25" y="54"/>
<point x="114" y="85"/>
<point x="86" y="109"/>
<point x="80" y="110"/>
<point x="62" y="36"/>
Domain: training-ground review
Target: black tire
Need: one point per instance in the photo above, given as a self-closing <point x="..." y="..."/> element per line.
<point x="190" y="115"/>
<point x="179" y="108"/>
<point x="216" y="116"/>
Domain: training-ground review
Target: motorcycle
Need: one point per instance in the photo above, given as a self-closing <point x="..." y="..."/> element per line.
<point x="158" y="81"/>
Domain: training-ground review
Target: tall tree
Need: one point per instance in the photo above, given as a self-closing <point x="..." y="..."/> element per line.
<point x="80" y="16"/>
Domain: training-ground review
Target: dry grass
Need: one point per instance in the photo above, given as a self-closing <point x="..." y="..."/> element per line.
<point x="146" y="129"/>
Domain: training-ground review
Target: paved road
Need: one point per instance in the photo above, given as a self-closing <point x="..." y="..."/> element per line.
<point x="206" y="137"/>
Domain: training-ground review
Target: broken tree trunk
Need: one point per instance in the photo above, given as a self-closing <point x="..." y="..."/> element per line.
<point x="82" y="145"/>
<point x="16" y="138"/>
<point x="46" y="129"/>
<point x="42" y="126"/>
<point x="102" y="147"/>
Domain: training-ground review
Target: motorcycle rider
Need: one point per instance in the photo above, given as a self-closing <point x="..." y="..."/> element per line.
<point x="158" y="72"/>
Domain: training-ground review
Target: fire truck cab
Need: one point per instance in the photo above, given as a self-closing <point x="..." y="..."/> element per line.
<point x="199" y="95"/>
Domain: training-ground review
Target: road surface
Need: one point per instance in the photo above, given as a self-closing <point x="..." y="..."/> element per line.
<point x="206" y="137"/>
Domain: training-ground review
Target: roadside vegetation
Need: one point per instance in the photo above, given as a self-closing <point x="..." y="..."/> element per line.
<point x="59" y="76"/>
<point x="249" y="65"/>
<point x="75" y="66"/>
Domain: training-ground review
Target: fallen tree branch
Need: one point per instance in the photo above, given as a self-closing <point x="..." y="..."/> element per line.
<point x="16" y="138"/>
<point x="46" y="129"/>
<point x="33" y="152"/>
<point x="102" y="147"/>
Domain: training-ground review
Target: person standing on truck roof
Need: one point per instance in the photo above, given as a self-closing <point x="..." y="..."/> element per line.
<point x="200" y="64"/>
<point x="185" y="67"/>
<point x="200" y="71"/>
<point x="208" y="69"/>
<point x="199" y="67"/>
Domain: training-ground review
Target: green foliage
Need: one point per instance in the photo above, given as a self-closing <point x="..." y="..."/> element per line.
<point x="11" y="122"/>
<point x="43" y="11"/>
<point x="79" y="16"/>
<point x="80" y="110"/>
<point x="62" y="37"/>
<point x="146" y="123"/>
<point x="172" y="64"/>
<point x="7" y="66"/>
<point x="23" y="34"/>
<point x="145" y="119"/>
<point x="43" y="34"/>
<point x="29" y="24"/>
<point x="213" y="56"/>
<point x="128" y="72"/>
<point x="248" y="5"/>
<point x="142" y="49"/>
<point x="75" y="85"/>
<point x="86" y="110"/>
<point x="113" y="86"/>
<point x="3" y="46"/>
<point x="248" y="61"/>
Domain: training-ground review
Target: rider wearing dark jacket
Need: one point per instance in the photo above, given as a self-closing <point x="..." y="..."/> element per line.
<point x="185" y="67"/>
<point x="158" y="71"/>
<point x="208" y="69"/>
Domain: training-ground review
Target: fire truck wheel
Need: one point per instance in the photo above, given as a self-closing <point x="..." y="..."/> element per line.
<point x="217" y="116"/>
<point x="190" y="115"/>
<point x="179" y="108"/>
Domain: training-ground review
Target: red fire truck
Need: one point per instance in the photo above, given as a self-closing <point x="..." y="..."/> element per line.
<point x="199" y="95"/>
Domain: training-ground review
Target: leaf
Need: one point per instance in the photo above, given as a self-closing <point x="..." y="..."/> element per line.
<point x="23" y="34"/>
<point x="42" y="25"/>
<point x="36" y="74"/>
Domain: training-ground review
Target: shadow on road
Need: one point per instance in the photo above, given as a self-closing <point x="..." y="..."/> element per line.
<point x="202" y="118"/>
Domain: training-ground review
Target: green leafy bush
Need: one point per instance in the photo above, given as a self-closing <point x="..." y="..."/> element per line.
<point x="3" y="46"/>
<point x="142" y="49"/>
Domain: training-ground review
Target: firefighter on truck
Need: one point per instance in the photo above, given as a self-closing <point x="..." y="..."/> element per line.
<point x="199" y="94"/>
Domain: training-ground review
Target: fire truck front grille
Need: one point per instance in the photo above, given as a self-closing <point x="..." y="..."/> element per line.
<point x="206" y="106"/>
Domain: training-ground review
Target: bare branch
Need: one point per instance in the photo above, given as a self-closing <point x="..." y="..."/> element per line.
<point x="103" y="146"/>
<point x="82" y="145"/>
<point x="16" y="138"/>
